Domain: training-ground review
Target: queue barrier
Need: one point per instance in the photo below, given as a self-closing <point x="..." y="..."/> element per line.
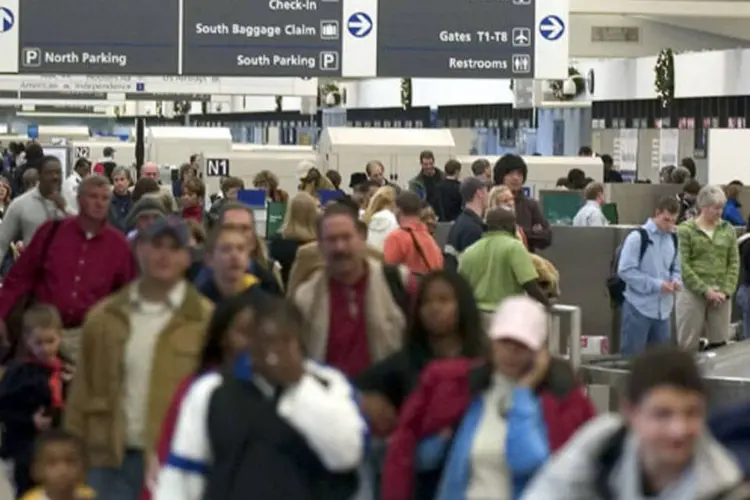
<point x="564" y="333"/>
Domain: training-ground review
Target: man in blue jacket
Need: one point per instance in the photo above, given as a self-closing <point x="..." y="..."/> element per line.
<point x="651" y="271"/>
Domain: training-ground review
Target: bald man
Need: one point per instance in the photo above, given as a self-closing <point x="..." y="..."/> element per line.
<point x="152" y="171"/>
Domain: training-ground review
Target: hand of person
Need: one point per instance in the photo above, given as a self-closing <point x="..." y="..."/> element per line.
<point x="538" y="370"/>
<point x="68" y="372"/>
<point x="380" y="412"/>
<point x="677" y="286"/>
<point x="285" y="365"/>
<point x="152" y="471"/>
<point x="537" y="228"/>
<point x="19" y="246"/>
<point x="667" y="287"/>
<point x="714" y="297"/>
<point x="58" y="200"/>
<point x="41" y="421"/>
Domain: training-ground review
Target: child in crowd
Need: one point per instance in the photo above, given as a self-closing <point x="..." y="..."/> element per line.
<point x="59" y="468"/>
<point x="193" y="192"/>
<point x="32" y="391"/>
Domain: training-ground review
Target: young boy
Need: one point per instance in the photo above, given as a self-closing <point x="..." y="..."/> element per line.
<point x="193" y="192"/>
<point x="31" y="391"/>
<point x="59" y="468"/>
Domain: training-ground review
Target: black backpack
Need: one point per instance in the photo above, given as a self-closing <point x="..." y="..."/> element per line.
<point x="615" y="284"/>
<point x="398" y="289"/>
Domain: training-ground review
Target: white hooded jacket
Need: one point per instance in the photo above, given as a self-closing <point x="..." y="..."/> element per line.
<point x="380" y="226"/>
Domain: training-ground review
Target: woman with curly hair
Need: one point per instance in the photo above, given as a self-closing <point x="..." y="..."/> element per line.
<point x="268" y="181"/>
<point x="313" y="181"/>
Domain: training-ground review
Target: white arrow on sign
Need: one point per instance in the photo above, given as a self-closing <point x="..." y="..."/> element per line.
<point x="7" y="20"/>
<point x="360" y="24"/>
<point x="552" y="27"/>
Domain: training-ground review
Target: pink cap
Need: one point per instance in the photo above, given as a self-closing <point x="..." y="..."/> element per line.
<point x="521" y="319"/>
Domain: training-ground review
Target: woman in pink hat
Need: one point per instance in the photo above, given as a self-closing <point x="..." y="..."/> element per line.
<point x="505" y="415"/>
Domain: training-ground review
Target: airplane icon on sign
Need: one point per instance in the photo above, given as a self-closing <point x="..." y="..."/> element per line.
<point x="521" y="37"/>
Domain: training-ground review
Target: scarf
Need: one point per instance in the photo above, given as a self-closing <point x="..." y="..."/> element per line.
<point x="195" y="213"/>
<point x="55" y="368"/>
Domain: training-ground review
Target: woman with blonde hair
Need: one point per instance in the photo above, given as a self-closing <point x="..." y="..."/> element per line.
<point x="380" y="217"/>
<point x="502" y="196"/>
<point x="299" y="228"/>
<point x="268" y="181"/>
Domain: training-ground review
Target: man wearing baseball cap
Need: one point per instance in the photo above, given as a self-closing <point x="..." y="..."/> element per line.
<point x="154" y="331"/>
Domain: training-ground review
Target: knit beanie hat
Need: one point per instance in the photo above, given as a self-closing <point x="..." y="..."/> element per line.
<point x="148" y="205"/>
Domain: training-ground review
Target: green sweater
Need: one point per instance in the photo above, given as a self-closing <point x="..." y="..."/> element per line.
<point x="709" y="262"/>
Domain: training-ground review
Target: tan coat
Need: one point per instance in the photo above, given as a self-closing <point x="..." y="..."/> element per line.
<point x="94" y="410"/>
<point x="308" y="260"/>
<point x="385" y="321"/>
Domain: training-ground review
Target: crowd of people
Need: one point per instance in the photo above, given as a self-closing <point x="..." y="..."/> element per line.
<point x="156" y="348"/>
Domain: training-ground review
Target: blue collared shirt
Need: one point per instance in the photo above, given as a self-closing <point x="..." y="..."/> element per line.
<point x="644" y="279"/>
<point x="590" y="215"/>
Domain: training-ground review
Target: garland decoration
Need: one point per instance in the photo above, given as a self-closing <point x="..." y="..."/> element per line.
<point x="181" y="107"/>
<point x="557" y="86"/>
<point x="326" y="90"/>
<point x="406" y="96"/>
<point x="664" y="76"/>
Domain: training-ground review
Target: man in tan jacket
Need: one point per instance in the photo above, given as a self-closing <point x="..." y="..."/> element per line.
<point x="138" y="345"/>
<point x="370" y="316"/>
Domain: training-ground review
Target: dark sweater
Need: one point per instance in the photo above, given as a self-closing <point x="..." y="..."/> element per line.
<point x="745" y="261"/>
<point x="448" y="199"/>
<point x="284" y="251"/>
<point x="256" y="453"/>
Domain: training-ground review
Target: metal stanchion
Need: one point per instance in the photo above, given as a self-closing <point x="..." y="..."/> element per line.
<point x="559" y="345"/>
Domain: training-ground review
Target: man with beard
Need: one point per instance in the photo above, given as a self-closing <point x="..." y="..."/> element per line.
<point x="354" y="306"/>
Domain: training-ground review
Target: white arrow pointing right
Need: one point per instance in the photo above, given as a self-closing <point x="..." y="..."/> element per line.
<point x="553" y="27"/>
<point x="362" y="25"/>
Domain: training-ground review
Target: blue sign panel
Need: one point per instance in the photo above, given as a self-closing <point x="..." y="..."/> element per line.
<point x="552" y="28"/>
<point x="359" y="24"/>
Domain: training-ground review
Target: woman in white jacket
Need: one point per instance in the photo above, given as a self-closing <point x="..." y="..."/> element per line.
<point x="380" y="217"/>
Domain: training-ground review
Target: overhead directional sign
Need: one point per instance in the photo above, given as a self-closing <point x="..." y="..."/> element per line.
<point x="261" y="38"/>
<point x="471" y="39"/>
<point x="286" y="38"/>
<point x="133" y="37"/>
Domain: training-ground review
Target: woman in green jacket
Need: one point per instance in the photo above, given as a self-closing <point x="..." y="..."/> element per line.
<point x="710" y="269"/>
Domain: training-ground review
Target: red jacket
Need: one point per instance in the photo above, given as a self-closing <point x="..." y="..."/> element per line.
<point x="445" y="391"/>
<point x="168" y="428"/>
